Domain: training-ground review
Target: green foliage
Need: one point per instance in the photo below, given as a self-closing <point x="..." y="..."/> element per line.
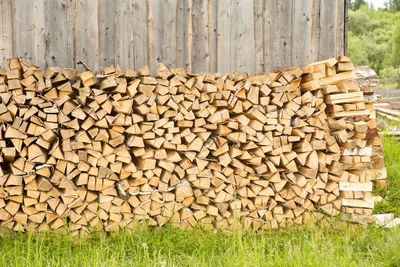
<point x="359" y="22"/>
<point x="396" y="45"/>
<point x="374" y="40"/>
<point x="356" y="4"/>
<point x="389" y="72"/>
<point x="392" y="5"/>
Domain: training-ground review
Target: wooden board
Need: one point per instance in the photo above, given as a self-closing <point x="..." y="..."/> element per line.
<point x="357" y="203"/>
<point x="349" y="186"/>
<point x="6" y="31"/>
<point x="223" y="36"/>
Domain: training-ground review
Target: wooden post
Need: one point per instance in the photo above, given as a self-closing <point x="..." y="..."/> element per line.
<point x="398" y="80"/>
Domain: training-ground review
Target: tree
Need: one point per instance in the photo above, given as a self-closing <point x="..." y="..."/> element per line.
<point x="358" y="22"/>
<point x="392" y="5"/>
<point x="356" y="4"/>
<point x="374" y="39"/>
<point x="396" y="45"/>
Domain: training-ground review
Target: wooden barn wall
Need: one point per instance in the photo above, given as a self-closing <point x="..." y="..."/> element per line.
<point x="204" y="35"/>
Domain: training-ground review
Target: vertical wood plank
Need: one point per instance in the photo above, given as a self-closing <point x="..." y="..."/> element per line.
<point x="315" y="30"/>
<point x="139" y="31"/>
<point x="242" y="36"/>
<point x="40" y="32"/>
<point x="200" y="49"/>
<point x="107" y="38"/>
<point x="123" y="34"/>
<point x="259" y="35"/>
<point x="183" y="33"/>
<point x="213" y="34"/>
<point x="23" y="29"/>
<point x="340" y="7"/>
<point x="345" y="28"/>
<point x="272" y="50"/>
<point x="53" y="33"/>
<point x="327" y="39"/>
<point x="301" y="35"/>
<point x="163" y="26"/>
<point x="224" y="33"/>
<point x="286" y="31"/>
<point x="6" y="30"/>
<point x="87" y="33"/>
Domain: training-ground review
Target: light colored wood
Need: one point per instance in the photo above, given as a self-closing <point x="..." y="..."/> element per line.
<point x="182" y="148"/>
<point x="108" y="32"/>
<point x="58" y="34"/>
<point x="161" y="27"/>
<point x="302" y="27"/>
<point x="242" y="36"/>
<point x="183" y="33"/>
<point x="200" y="56"/>
<point x="357" y="203"/>
<point x="345" y="98"/>
<point x="233" y="35"/>
<point x="139" y="35"/>
<point x="258" y="9"/>
<point x="383" y="219"/>
<point x="328" y="16"/>
<point x="388" y="111"/>
<point x="393" y="223"/>
<point x="340" y="41"/>
<point x="272" y="44"/>
<point x="6" y="31"/>
<point x="224" y="37"/>
<point x="86" y="36"/>
<point x="315" y="31"/>
<point x="342" y="114"/>
<point x="23" y="29"/>
<point x="349" y="186"/>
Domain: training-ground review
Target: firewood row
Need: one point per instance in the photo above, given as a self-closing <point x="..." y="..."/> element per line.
<point x="352" y="122"/>
<point x="88" y="152"/>
<point x="368" y="80"/>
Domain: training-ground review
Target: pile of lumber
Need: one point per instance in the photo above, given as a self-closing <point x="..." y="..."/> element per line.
<point x="368" y="80"/>
<point x="87" y="152"/>
<point x="390" y="111"/>
<point x="352" y="122"/>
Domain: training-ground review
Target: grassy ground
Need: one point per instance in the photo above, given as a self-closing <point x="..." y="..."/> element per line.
<point x="394" y="84"/>
<point x="327" y="245"/>
<point x="332" y="243"/>
<point x="391" y="153"/>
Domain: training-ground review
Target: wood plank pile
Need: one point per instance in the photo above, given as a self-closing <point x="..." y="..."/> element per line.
<point x="368" y="80"/>
<point x="84" y="152"/>
<point x="352" y="122"/>
<point x="390" y="111"/>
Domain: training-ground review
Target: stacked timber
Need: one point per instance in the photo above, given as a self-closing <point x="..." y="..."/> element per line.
<point x="367" y="80"/>
<point x="118" y="149"/>
<point x="352" y="123"/>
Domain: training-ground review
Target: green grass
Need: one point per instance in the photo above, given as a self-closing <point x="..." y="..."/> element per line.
<point x="394" y="84"/>
<point x="324" y="245"/>
<point x="391" y="154"/>
<point x="329" y="243"/>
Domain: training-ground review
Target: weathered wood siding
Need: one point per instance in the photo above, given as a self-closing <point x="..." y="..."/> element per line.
<point x="203" y="35"/>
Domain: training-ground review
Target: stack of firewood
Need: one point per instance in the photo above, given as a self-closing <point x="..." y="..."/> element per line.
<point x="352" y="122"/>
<point x="368" y="80"/>
<point x="103" y="152"/>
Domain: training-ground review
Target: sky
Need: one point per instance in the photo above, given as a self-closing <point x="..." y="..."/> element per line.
<point x="377" y="3"/>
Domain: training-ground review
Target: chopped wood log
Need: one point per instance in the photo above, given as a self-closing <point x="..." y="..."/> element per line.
<point x="117" y="149"/>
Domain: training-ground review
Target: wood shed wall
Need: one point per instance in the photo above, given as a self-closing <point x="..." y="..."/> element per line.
<point x="204" y="35"/>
